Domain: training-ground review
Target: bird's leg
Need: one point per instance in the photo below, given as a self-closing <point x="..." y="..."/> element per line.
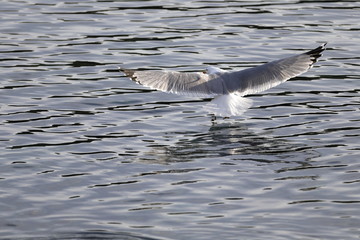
<point x="213" y="118"/>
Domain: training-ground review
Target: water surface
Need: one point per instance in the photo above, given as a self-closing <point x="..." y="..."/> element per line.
<point x="87" y="154"/>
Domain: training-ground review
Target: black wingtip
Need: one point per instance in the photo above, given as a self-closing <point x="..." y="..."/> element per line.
<point x="128" y="72"/>
<point x="316" y="53"/>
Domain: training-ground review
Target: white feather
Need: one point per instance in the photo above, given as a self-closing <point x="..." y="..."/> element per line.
<point x="228" y="105"/>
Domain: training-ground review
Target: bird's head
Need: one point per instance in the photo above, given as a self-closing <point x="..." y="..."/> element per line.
<point x="213" y="70"/>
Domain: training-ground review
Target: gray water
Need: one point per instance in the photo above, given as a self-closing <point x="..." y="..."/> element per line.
<point x="85" y="153"/>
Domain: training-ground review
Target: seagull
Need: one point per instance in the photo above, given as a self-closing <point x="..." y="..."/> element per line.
<point x="227" y="88"/>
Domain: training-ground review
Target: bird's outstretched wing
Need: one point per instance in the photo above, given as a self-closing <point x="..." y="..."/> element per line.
<point x="263" y="77"/>
<point x="196" y="84"/>
<point x="248" y="81"/>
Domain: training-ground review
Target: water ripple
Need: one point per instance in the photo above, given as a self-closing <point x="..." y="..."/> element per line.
<point x="94" y="155"/>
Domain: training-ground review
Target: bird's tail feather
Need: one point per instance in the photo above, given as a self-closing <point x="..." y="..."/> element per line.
<point x="228" y="105"/>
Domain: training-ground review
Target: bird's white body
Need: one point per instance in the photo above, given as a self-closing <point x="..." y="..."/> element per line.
<point x="231" y="104"/>
<point x="228" y="105"/>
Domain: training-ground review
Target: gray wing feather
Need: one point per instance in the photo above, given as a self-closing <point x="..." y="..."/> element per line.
<point x="263" y="77"/>
<point x="197" y="84"/>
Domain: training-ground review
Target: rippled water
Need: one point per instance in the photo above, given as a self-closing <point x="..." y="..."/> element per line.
<point x="88" y="154"/>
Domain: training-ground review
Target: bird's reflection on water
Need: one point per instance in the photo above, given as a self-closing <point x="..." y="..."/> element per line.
<point x="233" y="141"/>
